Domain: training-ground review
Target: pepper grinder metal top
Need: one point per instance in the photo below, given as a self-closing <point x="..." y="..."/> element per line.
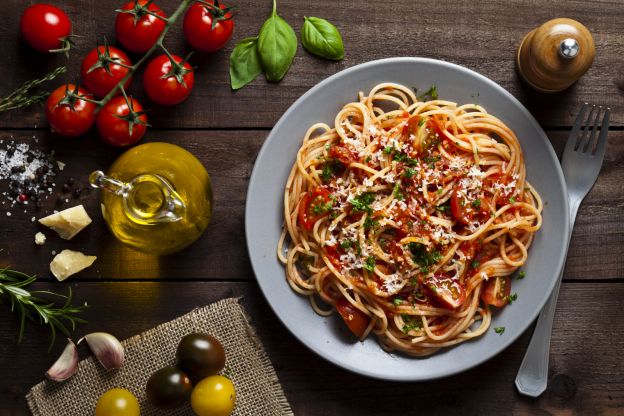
<point x="555" y="55"/>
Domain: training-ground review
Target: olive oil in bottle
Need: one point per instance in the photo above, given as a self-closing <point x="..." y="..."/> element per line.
<point x="156" y="198"/>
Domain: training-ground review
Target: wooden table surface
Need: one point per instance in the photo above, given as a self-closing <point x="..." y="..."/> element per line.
<point x="130" y="292"/>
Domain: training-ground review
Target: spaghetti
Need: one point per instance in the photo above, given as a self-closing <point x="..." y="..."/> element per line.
<point x="408" y="217"/>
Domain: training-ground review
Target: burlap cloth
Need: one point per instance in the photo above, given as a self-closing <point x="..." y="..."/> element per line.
<point x="258" y="391"/>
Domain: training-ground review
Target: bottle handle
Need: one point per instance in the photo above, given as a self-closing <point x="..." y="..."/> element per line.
<point x="165" y="205"/>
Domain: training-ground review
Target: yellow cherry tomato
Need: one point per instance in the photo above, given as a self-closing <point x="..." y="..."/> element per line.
<point x="117" y="402"/>
<point x="213" y="396"/>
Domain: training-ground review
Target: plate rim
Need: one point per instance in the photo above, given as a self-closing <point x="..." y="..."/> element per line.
<point x="506" y="342"/>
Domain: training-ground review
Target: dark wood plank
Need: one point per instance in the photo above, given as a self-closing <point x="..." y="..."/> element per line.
<point x="482" y="36"/>
<point x="585" y="375"/>
<point x="597" y="250"/>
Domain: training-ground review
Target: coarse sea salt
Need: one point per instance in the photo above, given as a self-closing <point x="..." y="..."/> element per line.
<point x="28" y="171"/>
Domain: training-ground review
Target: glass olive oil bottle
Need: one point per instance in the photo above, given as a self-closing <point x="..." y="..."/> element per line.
<point x="156" y="198"/>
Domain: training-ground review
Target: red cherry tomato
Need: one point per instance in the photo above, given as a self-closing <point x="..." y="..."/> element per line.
<point x="45" y="27"/>
<point x="139" y="37"/>
<point x="356" y="320"/>
<point x="342" y="154"/>
<point x="162" y="82"/>
<point x="112" y="126"/>
<point x="71" y="118"/>
<point x="496" y="291"/>
<point x="466" y="213"/>
<point x="314" y="205"/>
<point x="208" y="29"/>
<point x="446" y="290"/>
<point x="100" y="81"/>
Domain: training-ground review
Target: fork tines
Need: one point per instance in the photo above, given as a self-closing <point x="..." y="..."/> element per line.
<point x="586" y="128"/>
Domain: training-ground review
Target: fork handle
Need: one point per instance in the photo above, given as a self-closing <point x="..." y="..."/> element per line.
<point x="532" y="378"/>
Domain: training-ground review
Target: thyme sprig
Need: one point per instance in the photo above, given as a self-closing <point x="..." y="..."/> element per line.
<point x="20" y="98"/>
<point x="41" y="305"/>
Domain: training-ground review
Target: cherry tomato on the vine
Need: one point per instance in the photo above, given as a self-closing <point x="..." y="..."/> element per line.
<point x="120" y="125"/>
<point x="139" y="35"/>
<point x="67" y="113"/>
<point x="208" y="28"/>
<point x="101" y="70"/>
<point x="46" y="28"/>
<point x="167" y="83"/>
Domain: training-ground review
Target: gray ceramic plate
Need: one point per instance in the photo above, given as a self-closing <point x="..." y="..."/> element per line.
<point x="263" y="218"/>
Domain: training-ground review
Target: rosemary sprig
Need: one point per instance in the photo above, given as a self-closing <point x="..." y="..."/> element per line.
<point x="20" y="98"/>
<point x="39" y="305"/>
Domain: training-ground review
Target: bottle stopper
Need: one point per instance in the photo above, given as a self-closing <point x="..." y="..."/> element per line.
<point x="555" y="55"/>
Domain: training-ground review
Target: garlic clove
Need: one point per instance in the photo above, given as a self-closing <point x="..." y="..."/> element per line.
<point x="106" y="348"/>
<point x="66" y="365"/>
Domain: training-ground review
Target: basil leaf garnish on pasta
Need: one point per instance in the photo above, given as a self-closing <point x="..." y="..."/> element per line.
<point x="321" y="38"/>
<point x="244" y="63"/>
<point x="277" y="45"/>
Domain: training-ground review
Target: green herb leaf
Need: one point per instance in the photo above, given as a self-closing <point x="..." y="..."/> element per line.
<point x="244" y="63"/>
<point x="431" y="93"/>
<point x="322" y="38"/>
<point x="277" y="45"/>
<point x="370" y="263"/>
<point x="422" y="257"/>
<point x="500" y="330"/>
<point x="370" y="223"/>
<point x="476" y="203"/>
<point x="362" y="203"/>
<point x="397" y="301"/>
<point x="512" y="298"/>
<point x="410" y="322"/>
<point x="521" y="275"/>
<point x="346" y="244"/>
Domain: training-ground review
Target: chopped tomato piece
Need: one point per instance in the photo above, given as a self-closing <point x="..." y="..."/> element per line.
<point x="333" y="255"/>
<point x="434" y="126"/>
<point x="445" y="290"/>
<point x="314" y="205"/>
<point x="412" y="126"/>
<point x="356" y="320"/>
<point x="478" y="209"/>
<point x="496" y="291"/>
<point x="342" y="154"/>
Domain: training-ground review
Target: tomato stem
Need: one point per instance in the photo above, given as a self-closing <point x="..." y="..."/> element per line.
<point x="184" y="4"/>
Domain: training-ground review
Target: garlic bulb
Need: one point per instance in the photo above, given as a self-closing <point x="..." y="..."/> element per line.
<point x="66" y="365"/>
<point x="106" y="348"/>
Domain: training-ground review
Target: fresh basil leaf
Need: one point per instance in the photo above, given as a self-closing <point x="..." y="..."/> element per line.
<point x="244" y="63"/>
<point x="277" y="45"/>
<point x="322" y="38"/>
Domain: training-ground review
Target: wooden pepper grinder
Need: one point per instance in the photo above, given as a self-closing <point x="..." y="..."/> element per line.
<point x="555" y="55"/>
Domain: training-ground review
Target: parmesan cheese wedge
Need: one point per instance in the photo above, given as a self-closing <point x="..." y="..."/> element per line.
<point x="67" y="223"/>
<point x="69" y="262"/>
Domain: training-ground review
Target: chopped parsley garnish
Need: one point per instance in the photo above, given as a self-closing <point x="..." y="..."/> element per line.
<point x="500" y="330"/>
<point x="397" y="191"/>
<point x="443" y="208"/>
<point x="388" y="150"/>
<point x="431" y="93"/>
<point x="419" y="296"/>
<point x="368" y="159"/>
<point x="370" y="223"/>
<point x="329" y="170"/>
<point x="421" y="122"/>
<point x="432" y="159"/>
<point x="345" y="244"/>
<point x="422" y="257"/>
<point x="370" y="263"/>
<point x="410" y="323"/>
<point x="476" y="203"/>
<point x="400" y="157"/>
<point x="521" y="274"/>
<point x="409" y="172"/>
<point x="475" y="264"/>
<point x="512" y="298"/>
<point x="362" y="203"/>
<point x="512" y="200"/>
<point x="413" y="281"/>
<point x="397" y="301"/>
<point x="323" y="208"/>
